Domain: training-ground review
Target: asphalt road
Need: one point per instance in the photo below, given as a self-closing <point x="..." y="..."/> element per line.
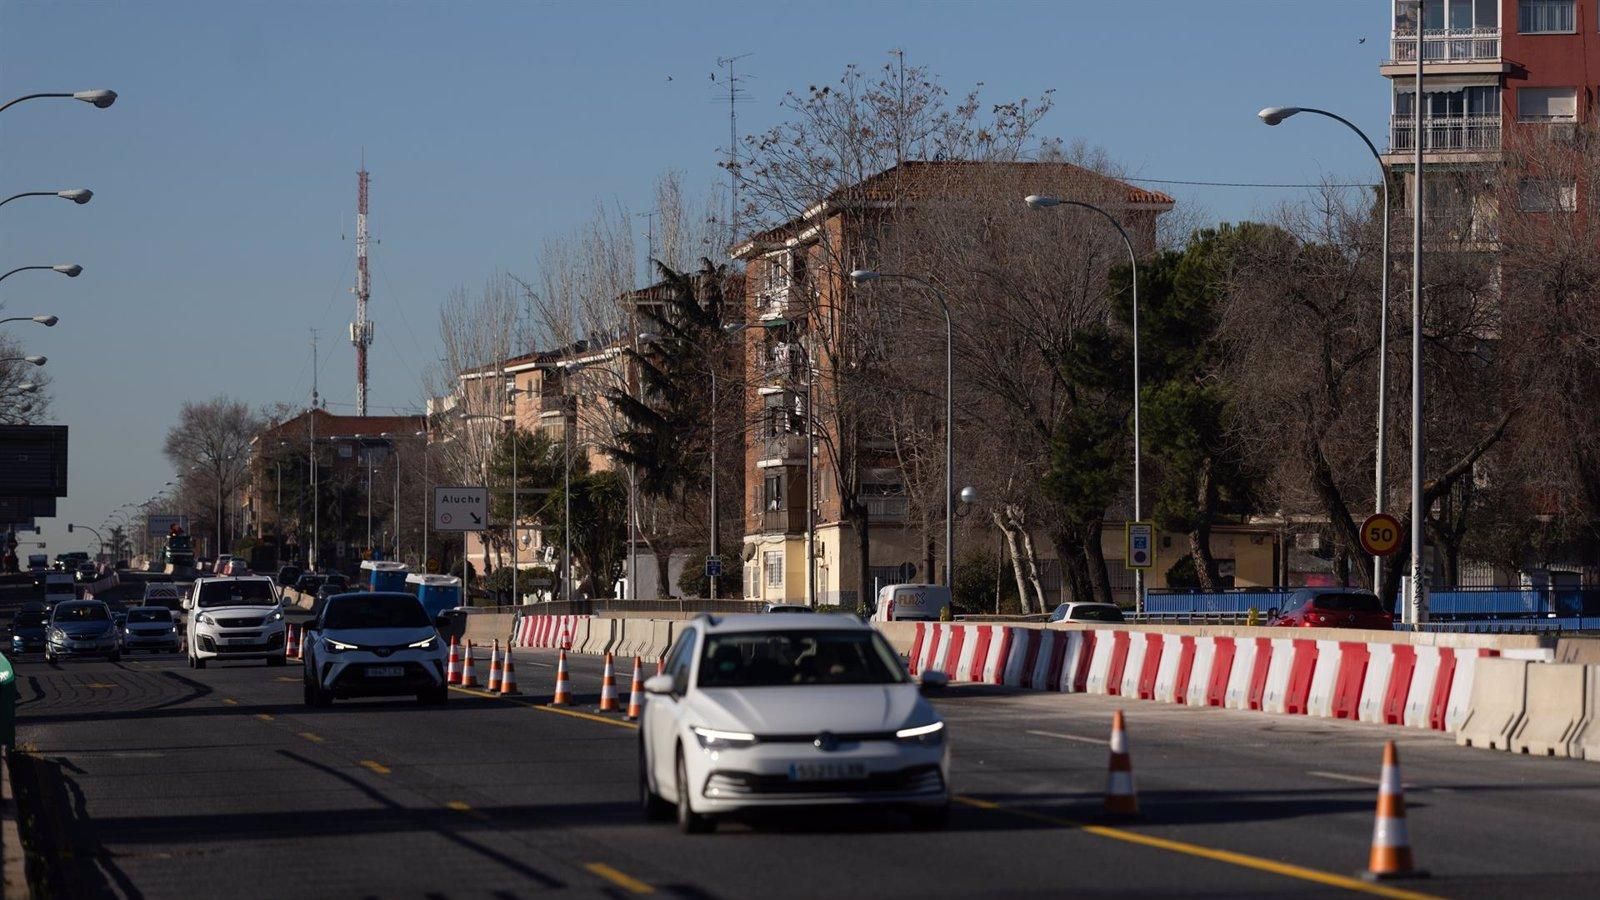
<point x="146" y="779"/>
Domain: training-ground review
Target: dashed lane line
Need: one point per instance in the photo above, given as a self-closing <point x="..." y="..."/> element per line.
<point x="558" y="710"/>
<point x="1098" y="742"/>
<point x="230" y="701"/>
<point x="266" y="718"/>
<point x="620" y="879"/>
<point x="375" y="766"/>
<point x="1229" y="857"/>
<point x="310" y="736"/>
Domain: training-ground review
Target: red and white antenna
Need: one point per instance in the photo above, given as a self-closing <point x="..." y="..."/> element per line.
<point x="361" y="328"/>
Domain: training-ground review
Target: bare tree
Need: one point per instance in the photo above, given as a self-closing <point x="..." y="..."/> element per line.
<point x="16" y="406"/>
<point x="210" y="447"/>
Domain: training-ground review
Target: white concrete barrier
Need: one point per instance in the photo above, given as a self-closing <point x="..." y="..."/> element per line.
<point x="1499" y="701"/>
<point x="1557" y="711"/>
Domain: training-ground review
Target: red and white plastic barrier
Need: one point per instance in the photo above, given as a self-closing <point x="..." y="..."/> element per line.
<point x="1370" y="681"/>
<point x="547" y="632"/>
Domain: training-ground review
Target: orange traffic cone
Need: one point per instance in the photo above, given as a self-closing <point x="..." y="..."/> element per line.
<point x="494" y="668"/>
<point x="636" y="693"/>
<point x="508" y="675"/>
<point x="291" y="642"/>
<point x="469" y="669"/>
<point x="563" y="695"/>
<point x="1391" y="845"/>
<point x="661" y="665"/>
<point x="452" y="667"/>
<point x="1121" y="799"/>
<point x="608" y="688"/>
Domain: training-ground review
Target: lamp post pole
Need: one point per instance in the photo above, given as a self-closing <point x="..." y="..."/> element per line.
<point x="426" y="522"/>
<point x="1272" y="115"/>
<point x="1418" y="599"/>
<point x="1037" y="201"/>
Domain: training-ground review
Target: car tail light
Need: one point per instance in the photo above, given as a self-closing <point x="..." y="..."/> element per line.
<point x="1314" y="618"/>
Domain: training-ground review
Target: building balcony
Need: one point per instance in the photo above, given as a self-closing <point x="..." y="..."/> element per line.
<point x="785" y="367"/>
<point x="1456" y="134"/>
<point x="781" y="301"/>
<point x="783" y="450"/>
<point x="555" y="404"/>
<point x="785" y="521"/>
<point x="1446" y="45"/>
<point x="887" y="508"/>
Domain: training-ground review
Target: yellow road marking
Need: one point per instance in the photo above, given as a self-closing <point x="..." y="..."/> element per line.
<point x="458" y="806"/>
<point x="549" y="709"/>
<point x="313" y="738"/>
<point x="626" y="882"/>
<point x="230" y="701"/>
<point x="377" y="767"/>
<point x="287" y="679"/>
<point x="264" y="717"/>
<point x="1243" y="860"/>
<point x="99" y="684"/>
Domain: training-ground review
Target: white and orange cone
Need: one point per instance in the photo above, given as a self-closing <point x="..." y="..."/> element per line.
<point x="452" y="667"/>
<point x="608" y="688"/>
<point x="494" y="668"/>
<point x="291" y="642"/>
<point x="469" y="669"/>
<point x="1391" y="844"/>
<point x="508" y="675"/>
<point x="636" y="693"/>
<point x="661" y="665"/>
<point x="563" y="694"/>
<point x="1121" y="798"/>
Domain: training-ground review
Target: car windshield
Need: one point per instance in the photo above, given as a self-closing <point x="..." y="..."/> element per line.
<point x="236" y="593"/>
<point x="149" y="614"/>
<point x="82" y="612"/>
<point x="1097" y="614"/>
<point x="781" y="658"/>
<point x="375" y="611"/>
<point x="29" y="619"/>
<point x="1349" y="602"/>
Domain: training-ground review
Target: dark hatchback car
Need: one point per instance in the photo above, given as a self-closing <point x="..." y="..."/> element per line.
<point x="1332" y="608"/>
<point x="27" y="631"/>
<point x="82" y="628"/>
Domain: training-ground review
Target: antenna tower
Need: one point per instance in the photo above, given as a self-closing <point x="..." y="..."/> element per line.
<point x="736" y="95"/>
<point x="361" y="328"/>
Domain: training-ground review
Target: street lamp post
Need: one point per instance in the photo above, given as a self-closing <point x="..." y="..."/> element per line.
<point x="71" y="270"/>
<point x="1272" y="115"/>
<point x="366" y="453"/>
<point x="31" y="360"/>
<point x="465" y="417"/>
<point x="100" y="99"/>
<point x="1417" y="601"/>
<point x="633" y="582"/>
<point x="46" y="321"/>
<point x="426" y="522"/>
<point x="1037" y="201"/>
<point x="79" y="196"/>
<point x="391" y="438"/>
<point x="861" y="276"/>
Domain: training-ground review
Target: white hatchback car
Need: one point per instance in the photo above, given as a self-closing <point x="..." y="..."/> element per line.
<point x="373" y="644"/>
<point x="781" y="711"/>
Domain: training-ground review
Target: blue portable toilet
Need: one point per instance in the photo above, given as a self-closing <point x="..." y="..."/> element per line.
<point x="384" y="575"/>
<point x="437" y="592"/>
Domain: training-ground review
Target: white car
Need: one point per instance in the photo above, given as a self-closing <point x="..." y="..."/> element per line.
<point x="781" y="711"/>
<point x="373" y="644"/>
<point x="1086" y="611"/>
<point x="234" y="618"/>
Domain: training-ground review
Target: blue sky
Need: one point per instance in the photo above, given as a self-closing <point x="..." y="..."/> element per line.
<point x="224" y="176"/>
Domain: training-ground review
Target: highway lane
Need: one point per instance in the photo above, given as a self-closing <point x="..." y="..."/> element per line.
<point x="172" y="783"/>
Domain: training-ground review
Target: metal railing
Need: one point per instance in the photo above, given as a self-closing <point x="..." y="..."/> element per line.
<point x="881" y="508"/>
<point x="1446" y="45"/>
<point x="787" y="521"/>
<point x="1446" y="134"/>
<point x="784" y="446"/>
<point x="555" y="402"/>
<point x="780" y="301"/>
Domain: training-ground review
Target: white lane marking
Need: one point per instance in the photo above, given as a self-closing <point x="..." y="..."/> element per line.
<point x="1098" y="742"/>
<point x="1373" y="782"/>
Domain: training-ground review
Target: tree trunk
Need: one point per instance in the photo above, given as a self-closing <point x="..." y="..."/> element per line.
<point x="927" y="544"/>
<point x="1095" y="562"/>
<point x="663" y="557"/>
<point x="1030" y="563"/>
<point x="1025" y="598"/>
<point x="862" y="520"/>
<point x="1074" y="565"/>
<point x="1205" y="565"/>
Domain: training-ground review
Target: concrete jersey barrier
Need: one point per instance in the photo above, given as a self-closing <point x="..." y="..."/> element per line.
<point x="1499" y="701"/>
<point x="1556" y="711"/>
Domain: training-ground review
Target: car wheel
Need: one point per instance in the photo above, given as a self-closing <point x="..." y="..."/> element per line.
<point x="309" y="690"/>
<point x="930" y="818"/>
<point x="689" y="821"/>
<point x="655" y="809"/>
<point x="199" y="662"/>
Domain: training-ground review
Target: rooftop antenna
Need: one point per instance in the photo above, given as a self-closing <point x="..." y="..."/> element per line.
<point x="736" y="95"/>
<point x="361" y="328"/>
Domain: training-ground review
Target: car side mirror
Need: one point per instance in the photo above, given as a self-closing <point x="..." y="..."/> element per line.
<point x="658" y="684"/>
<point x="934" y="681"/>
<point x="1272" y="612"/>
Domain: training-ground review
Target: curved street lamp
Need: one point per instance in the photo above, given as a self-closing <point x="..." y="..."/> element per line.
<point x="71" y="270"/>
<point x="46" y="321"/>
<point x="35" y="360"/>
<point x="1272" y="115"/>
<point x="99" y="98"/>
<point x="79" y="196"/>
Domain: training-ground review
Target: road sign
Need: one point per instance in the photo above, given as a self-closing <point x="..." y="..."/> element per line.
<point x="1141" y="545"/>
<point x="460" y="508"/>
<point x="713" y="567"/>
<point x="1380" y="534"/>
<point x="161" y="526"/>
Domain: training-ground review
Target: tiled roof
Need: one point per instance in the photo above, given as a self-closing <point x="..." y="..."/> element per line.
<point x="330" y="425"/>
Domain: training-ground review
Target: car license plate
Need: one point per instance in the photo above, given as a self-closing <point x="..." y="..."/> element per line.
<point x="826" y="771"/>
<point x="385" y="671"/>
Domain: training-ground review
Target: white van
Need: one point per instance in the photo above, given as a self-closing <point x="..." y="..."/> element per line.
<point x="911" y="603"/>
<point x="59" y="586"/>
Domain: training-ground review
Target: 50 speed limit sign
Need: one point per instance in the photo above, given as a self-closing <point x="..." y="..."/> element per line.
<point x="1380" y="534"/>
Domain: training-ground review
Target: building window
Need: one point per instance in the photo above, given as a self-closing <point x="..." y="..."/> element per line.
<point x="1547" y="105"/>
<point x="1547" y="16"/>
<point x="773" y="560"/>
<point x="772" y="492"/>
<point x="1547" y="195"/>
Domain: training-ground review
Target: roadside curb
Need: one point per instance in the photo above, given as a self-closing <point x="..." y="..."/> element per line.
<point x="11" y="853"/>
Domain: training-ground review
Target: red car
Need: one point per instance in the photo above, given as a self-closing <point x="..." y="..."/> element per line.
<point x="1332" y="607"/>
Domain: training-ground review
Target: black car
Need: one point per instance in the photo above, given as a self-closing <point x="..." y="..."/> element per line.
<point x="288" y="576"/>
<point x="86" y="571"/>
<point x="308" y="583"/>
<point x="28" y="630"/>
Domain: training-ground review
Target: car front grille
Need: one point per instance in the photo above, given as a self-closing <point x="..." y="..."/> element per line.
<point x="916" y="780"/>
<point x="240" y="623"/>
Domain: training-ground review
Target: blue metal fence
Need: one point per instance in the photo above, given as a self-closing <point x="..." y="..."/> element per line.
<point x="1230" y="601"/>
<point x="1448" y="603"/>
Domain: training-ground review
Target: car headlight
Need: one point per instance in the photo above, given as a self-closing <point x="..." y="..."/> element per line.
<point x="713" y="739"/>
<point x="338" y="646"/>
<point x="427" y="643"/>
<point x="930" y="735"/>
<point x="275" y="617"/>
<point x="204" y="619"/>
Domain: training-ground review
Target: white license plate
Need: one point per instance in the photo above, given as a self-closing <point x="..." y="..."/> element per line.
<point x="826" y="771"/>
<point x="385" y="671"/>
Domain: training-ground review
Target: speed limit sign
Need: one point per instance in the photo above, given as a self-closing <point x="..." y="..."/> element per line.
<point x="1380" y="534"/>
